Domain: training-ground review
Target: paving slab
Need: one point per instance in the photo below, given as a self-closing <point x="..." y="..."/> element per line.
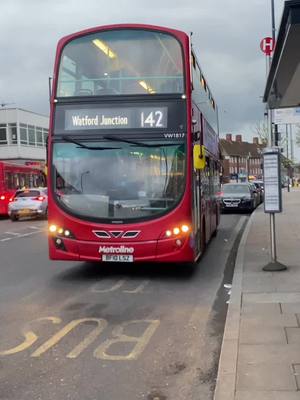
<point x="277" y="297"/>
<point x="265" y="320"/>
<point x="269" y="354"/>
<point x="258" y="334"/>
<point x="293" y="335"/>
<point x="265" y="376"/>
<point x="296" y="368"/>
<point x="270" y="395"/>
<point x="293" y="308"/>
<point x="266" y="309"/>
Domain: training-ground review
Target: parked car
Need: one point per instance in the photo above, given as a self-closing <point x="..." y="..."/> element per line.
<point x="28" y="203"/>
<point x="260" y="188"/>
<point x="257" y="193"/>
<point x="238" y="196"/>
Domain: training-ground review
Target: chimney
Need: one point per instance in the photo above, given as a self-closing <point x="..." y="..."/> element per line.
<point x="229" y="137"/>
<point x="238" y="138"/>
<point x="256" y="141"/>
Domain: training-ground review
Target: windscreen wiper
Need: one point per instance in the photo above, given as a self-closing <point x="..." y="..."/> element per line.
<point x="71" y="140"/>
<point x="136" y="143"/>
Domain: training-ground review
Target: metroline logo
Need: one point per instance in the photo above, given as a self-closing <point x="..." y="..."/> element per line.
<point x="119" y="249"/>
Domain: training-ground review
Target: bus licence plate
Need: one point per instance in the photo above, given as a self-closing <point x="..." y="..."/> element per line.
<point x="117" y="258"/>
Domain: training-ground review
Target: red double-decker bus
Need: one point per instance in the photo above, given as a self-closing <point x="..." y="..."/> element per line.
<point x="16" y="176"/>
<point x="133" y="149"/>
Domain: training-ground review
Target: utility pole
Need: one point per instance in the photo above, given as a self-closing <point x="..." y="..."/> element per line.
<point x="273" y="20"/>
<point x="287" y="154"/>
<point x="292" y="142"/>
<point x="292" y="153"/>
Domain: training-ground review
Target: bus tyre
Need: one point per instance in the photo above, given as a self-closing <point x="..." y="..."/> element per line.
<point x="203" y="238"/>
<point x="215" y="232"/>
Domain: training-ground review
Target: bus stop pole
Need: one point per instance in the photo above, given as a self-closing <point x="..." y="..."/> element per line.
<point x="273" y="238"/>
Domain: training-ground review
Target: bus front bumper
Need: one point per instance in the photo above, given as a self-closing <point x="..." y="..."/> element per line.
<point x="164" y="250"/>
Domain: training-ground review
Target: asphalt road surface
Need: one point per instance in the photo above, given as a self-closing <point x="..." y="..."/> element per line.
<point x="84" y="331"/>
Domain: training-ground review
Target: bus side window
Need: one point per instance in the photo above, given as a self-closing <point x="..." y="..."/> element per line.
<point x="16" y="183"/>
<point x="9" y="180"/>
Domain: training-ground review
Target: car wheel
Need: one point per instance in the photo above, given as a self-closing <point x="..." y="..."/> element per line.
<point x="14" y="218"/>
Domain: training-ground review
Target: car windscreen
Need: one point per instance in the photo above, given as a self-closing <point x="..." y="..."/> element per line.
<point x="236" y="189"/>
<point x="29" y="193"/>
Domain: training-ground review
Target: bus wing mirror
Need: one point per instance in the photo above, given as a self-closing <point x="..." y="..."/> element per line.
<point x="199" y="156"/>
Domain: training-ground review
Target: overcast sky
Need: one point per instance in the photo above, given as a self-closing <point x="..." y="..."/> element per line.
<point x="226" y="37"/>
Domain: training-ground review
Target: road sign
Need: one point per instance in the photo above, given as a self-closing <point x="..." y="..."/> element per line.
<point x="287" y="116"/>
<point x="267" y="45"/>
<point x="272" y="181"/>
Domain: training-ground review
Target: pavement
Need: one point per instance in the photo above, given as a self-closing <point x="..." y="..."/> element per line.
<point x="260" y="355"/>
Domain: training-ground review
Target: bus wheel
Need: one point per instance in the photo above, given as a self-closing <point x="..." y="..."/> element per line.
<point x="203" y="238"/>
<point x="215" y="232"/>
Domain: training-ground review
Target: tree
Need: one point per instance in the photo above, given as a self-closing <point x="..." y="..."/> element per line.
<point x="260" y="129"/>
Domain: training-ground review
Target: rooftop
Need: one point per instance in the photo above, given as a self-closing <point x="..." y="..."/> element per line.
<point x="237" y="147"/>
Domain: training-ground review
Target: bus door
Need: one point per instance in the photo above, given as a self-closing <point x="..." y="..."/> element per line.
<point x="213" y="214"/>
<point x="207" y="199"/>
<point x="196" y="185"/>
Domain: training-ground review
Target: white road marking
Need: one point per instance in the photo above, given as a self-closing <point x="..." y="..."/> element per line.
<point x="16" y="235"/>
<point x="29" y="234"/>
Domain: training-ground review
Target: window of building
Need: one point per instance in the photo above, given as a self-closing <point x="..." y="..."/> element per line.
<point x="23" y="134"/>
<point x="45" y="134"/>
<point x="12" y="134"/>
<point x="31" y="135"/>
<point x="39" y="136"/>
<point x="3" y="134"/>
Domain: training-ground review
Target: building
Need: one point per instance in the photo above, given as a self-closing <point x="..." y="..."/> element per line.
<point x="23" y="136"/>
<point x="241" y="159"/>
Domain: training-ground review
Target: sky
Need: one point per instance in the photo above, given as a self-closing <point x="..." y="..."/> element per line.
<point x="226" y="39"/>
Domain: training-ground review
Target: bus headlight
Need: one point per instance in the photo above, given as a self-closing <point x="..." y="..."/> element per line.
<point x="176" y="231"/>
<point x="61" y="232"/>
<point x="183" y="229"/>
<point x="52" y="228"/>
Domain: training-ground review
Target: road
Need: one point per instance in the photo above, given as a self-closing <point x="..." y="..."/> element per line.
<point x="84" y="331"/>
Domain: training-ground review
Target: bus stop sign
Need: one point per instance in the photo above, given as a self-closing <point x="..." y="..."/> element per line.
<point x="267" y="45"/>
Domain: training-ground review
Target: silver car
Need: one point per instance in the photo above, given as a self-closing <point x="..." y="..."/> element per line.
<point x="28" y="203"/>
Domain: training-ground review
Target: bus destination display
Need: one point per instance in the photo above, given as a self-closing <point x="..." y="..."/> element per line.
<point x="116" y="118"/>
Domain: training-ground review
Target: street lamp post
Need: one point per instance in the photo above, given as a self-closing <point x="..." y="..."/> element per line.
<point x="273" y="20"/>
